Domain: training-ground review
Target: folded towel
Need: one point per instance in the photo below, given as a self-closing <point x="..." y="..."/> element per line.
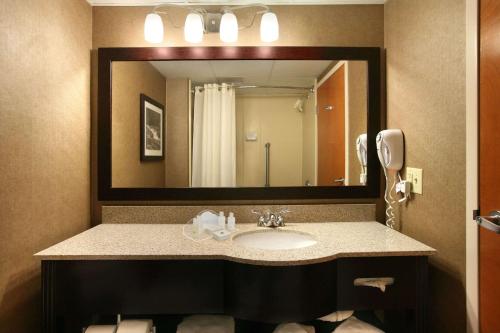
<point x="380" y="283"/>
<point x="101" y="329"/>
<point x="206" y="324"/>
<point x="293" y="328"/>
<point x="354" y="325"/>
<point x="135" y="326"/>
<point x="337" y="316"/>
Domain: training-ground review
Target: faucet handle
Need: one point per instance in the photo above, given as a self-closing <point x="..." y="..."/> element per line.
<point x="280" y="219"/>
<point x="261" y="221"/>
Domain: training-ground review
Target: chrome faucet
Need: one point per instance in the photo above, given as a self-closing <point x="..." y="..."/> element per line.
<point x="270" y="219"/>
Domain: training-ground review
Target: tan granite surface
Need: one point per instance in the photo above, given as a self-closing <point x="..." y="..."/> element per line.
<point x="181" y="214"/>
<point x="166" y="241"/>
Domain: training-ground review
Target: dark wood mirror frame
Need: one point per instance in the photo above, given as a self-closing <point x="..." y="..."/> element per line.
<point x="107" y="55"/>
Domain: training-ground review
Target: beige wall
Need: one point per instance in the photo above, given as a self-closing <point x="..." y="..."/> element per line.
<point x="177" y="153"/>
<point x="425" y="43"/>
<point x="44" y="144"/>
<point x="309" y="139"/>
<point x="130" y="80"/>
<point x="345" y="26"/>
<point x="299" y="25"/>
<point x="275" y="120"/>
<point x="357" y="73"/>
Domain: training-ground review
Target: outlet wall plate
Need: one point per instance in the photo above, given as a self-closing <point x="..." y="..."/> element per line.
<point x="415" y="177"/>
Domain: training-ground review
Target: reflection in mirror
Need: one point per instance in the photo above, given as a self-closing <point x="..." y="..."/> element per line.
<point x="239" y="123"/>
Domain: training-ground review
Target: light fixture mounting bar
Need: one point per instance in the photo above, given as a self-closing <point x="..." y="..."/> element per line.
<point x="211" y="19"/>
<point x="212" y="22"/>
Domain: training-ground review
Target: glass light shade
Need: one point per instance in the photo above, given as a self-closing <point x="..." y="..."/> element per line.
<point x="229" y="28"/>
<point x="153" y="28"/>
<point x="269" y="28"/>
<point x="193" y="28"/>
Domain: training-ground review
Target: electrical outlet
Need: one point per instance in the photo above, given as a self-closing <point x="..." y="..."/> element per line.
<point x="414" y="176"/>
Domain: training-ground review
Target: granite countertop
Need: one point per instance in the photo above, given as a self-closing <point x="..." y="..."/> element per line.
<point x="166" y="241"/>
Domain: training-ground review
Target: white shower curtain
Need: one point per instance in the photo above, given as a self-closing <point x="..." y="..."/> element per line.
<point x="214" y="137"/>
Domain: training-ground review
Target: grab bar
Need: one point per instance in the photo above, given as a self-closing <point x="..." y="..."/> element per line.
<point x="268" y="148"/>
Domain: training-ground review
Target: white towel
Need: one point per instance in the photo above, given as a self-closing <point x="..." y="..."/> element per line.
<point x="354" y="325"/>
<point x="293" y="328"/>
<point x="135" y="326"/>
<point x="206" y="324"/>
<point x="101" y="329"/>
<point x="380" y="283"/>
<point x="337" y="316"/>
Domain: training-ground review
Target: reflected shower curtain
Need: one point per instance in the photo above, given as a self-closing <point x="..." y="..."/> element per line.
<point x="214" y="137"/>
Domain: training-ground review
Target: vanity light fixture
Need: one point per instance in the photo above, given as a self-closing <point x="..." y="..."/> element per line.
<point x="199" y="21"/>
<point x="228" y="27"/>
<point x="269" y="27"/>
<point x="153" y="28"/>
<point x="193" y="28"/>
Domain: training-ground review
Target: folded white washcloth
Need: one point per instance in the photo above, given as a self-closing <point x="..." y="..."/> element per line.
<point x="206" y="324"/>
<point x="101" y="329"/>
<point x="337" y="316"/>
<point x="354" y="325"/>
<point x="135" y="326"/>
<point x="293" y="328"/>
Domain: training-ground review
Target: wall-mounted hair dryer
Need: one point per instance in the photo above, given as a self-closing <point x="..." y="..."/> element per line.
<point x="362" y="150"/>
<point x="390" y="151"/>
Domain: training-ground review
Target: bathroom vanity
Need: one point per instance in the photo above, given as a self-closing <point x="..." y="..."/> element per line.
<point x="152" y="269"/>
<point x="146" y="269"/>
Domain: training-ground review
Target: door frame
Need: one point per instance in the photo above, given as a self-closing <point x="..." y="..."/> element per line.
<point x="332" y="71"/>
<point x="471" y="163"/>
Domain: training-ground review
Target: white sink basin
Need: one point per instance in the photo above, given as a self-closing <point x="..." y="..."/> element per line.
<point x="274" y="239"/>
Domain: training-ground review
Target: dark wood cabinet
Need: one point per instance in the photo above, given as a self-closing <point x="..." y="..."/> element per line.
<point x="75" y="291"/>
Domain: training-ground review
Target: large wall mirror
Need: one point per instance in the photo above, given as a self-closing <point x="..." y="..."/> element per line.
<point x="238" y="123"/>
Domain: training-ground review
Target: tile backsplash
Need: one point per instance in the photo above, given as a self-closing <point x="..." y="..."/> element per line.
<point x="243" y="213"/>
